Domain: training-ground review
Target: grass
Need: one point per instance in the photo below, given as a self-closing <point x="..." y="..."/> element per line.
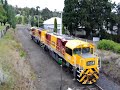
<point x="3" y="27"/>
<point x="11" y="51"/>
<point x="5" y="60"/>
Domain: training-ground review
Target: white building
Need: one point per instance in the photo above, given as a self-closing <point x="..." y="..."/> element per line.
<point x="49" y="24"/>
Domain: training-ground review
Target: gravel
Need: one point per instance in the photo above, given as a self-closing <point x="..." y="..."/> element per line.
<point x="110" y="69"/>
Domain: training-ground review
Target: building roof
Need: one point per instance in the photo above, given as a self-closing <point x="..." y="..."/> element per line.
<point x="51" y="20"/>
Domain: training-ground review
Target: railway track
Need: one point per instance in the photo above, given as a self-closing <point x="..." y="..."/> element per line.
<point x="93" y="87"/>
<point x="88" y="87"/>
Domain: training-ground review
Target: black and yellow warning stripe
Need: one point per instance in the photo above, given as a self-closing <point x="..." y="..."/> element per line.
<point x="89" y="75"/>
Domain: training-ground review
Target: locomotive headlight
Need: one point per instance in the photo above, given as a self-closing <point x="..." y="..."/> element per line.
<point x="89" y="63"/>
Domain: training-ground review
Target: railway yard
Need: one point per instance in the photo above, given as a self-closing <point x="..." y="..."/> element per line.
<point x="48" y="72"/>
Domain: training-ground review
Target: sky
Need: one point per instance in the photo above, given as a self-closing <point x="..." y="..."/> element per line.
<point x="51" y="4"/>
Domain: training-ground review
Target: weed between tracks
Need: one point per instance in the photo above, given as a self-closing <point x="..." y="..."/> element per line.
<point x="15" y="70"/>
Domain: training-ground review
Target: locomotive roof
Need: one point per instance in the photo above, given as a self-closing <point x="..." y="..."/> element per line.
<point x="74" y="43"/>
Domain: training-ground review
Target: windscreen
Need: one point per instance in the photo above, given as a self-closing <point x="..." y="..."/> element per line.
<point x="81" y="51"/>
<point x="85" y="50"/>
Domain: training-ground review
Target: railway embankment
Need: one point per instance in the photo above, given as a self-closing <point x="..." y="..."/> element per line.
<point x="110" y="59"/>
<point x="15" y="70"/>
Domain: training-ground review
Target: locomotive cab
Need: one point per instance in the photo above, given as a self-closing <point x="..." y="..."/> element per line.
<point x="32" y="30"/>
<point x="81" y="55"/>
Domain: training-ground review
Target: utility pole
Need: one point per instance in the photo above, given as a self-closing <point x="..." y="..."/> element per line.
<point x="29" y="23"/>
<point x="38" y="20"/>
<point x="60" y="60"/>
<point x="61" y="78"/>
<point x="61" y="24"/>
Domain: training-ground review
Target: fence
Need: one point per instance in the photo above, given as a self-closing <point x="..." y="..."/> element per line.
<point x="3" y="32"/>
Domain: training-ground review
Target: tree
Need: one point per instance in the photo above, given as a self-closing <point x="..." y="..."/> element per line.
<point x="37" y="10"/>
<point x="90" y="14"/>
<point x="7" y="14"/>
<point x="25" y="19"/>
<point x="70" y="15"/>
<point x="55" y="25"/>
<point x="5" y="6"/>
<point x="3" y="16"/>
<point x="63" y="29"/>
<point x="113" y="21"/>
<point x="32" y="21"/>
<point x="118" y="19"/>
<point x="55" y="13"/>
<point x="11" y="16"/>
<point x="19" y="19"/>
<point x="36" y="21"/>
<point x="1" y="1"/>
<point x="26" y="11"/>
<point x="93" y="14"/>
<point x="46" y="14"/>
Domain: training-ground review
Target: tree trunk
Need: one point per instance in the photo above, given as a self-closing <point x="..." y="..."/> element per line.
<point x="1" y="23"/>
<point x="4" y="23"/>
<point x="87" y="32"/>
<point x="70" y="28"/>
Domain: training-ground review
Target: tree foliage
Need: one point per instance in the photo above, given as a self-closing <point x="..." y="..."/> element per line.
<point x="63" y="29"/>
<point x="91" y="14"/>
<point x="46" y="14"/>
<point x="2" y="14"/>
<point x="11" y="16"/>
<point x="19" y="19"/>
<point x="1" y="1"/>
<point x="70" y="15"/>
<point x="118" y="18"/>
<point x="37" y="10"/>
<point x="55" y="25"/>
<point x="35" y="13"/>
<point x="7" y="13"/>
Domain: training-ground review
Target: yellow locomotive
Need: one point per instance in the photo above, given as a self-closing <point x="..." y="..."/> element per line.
<point x="77" y="55"/>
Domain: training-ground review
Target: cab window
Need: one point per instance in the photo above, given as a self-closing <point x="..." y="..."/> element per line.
<point x="77" y="51"/>
<point x="68" y="51"/>
<point x="85" y="50"/>
<point x="81" y="50"/>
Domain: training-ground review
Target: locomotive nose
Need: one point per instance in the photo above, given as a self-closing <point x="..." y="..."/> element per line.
<point x="88" y="76"/>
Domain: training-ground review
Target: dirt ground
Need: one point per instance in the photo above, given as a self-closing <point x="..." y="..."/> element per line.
<point x="110" y="64"/>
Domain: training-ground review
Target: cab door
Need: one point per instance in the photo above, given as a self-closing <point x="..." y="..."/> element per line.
<point x="68" y="55"/>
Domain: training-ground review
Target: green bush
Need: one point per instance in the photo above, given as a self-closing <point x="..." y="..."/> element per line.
<point x="109" y="45"/>
<point x="106" y="44"/>
<point x="117" y="49"/>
